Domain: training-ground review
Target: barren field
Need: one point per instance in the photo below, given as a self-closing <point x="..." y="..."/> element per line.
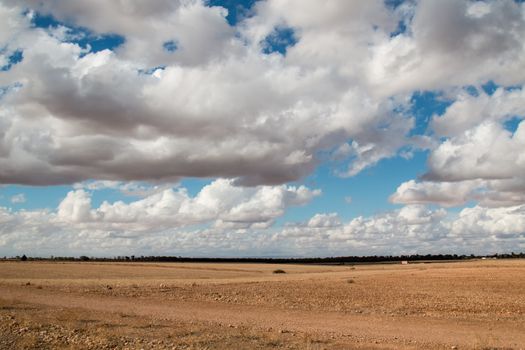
<point x="464" y="305"/>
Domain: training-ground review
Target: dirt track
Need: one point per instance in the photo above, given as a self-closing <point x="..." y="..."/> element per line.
<point x="463" y="305"/>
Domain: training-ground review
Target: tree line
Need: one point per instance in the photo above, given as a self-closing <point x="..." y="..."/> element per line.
<point x="312" y="260"/>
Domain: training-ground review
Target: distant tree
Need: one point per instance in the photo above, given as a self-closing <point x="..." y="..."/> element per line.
<point x="23" y="258"/>
<point x="84" y="258"/>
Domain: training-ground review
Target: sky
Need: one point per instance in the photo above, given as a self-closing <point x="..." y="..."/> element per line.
<point x="270" y="128"/>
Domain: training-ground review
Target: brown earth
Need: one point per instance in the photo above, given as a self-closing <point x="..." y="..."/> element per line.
<point x="464" y="305"/>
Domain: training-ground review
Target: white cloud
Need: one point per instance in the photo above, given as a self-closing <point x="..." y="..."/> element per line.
<point x="487" y="151"/>
<point x="324" y="220"/>
<point x="444" y="41"/>
<point x="410" y="230"/>
<point x="179" y="122"/>
<point x="488" y="193"/>
<point x="201" y="32"/>
<point x="220" y="202"/>
<point x="447" y="194"/>
<point x="18" y="198"/>
<point x="139" y="118"/>
<point x="469" y="111"/>
<point x="499" y="223"/>
<point x="223" y="108"/>
<point x="480" y="160"/>
<point x="76" y="207"/>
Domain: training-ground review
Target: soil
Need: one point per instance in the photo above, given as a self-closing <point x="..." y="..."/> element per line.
<point x="461" y="305"/>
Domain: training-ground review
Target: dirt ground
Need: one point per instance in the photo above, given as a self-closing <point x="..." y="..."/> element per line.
<point x="463" y="305"/>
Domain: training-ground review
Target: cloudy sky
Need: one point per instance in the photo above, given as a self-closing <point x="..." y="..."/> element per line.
<point x="261" y="128"/>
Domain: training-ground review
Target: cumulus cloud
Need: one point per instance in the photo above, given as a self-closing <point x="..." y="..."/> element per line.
<point x="94" y="115"/>
<point x="199" y="32"/>
<point x="488" y="193"/>
<point x="324" y="220"/>
<point x="182" y="93"/>
<point x="445" y="39"/>
<point x="447" y="194"/>
<point x="468" y="110"/>
<point x="498" y="223"/>
<point x="413" y="229"/>
<point x="76" y="207"/>
<point x="220" y="202"/>
<point x="216" y="104"/>
<point x="222" y="215"/>
<point x="484" y="164"/>
<point x="480" y="159"/>
<point x="487" y="152"/>
<point x="409" y="230"/>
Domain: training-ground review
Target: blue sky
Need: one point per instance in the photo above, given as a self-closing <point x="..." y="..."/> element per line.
<point x="255" y="128"/>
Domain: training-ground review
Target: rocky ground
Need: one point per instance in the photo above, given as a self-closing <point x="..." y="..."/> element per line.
<point x="477" y="305"/>
<point x="20" y="328"/>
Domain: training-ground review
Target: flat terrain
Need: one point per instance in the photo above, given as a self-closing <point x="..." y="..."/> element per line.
<point x="463" y="305"/>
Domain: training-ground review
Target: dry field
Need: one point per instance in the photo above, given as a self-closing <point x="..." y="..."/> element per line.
<point x="466" y="305"/>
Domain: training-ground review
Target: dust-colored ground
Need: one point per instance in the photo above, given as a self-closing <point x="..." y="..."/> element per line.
<point x="466" y="305"/>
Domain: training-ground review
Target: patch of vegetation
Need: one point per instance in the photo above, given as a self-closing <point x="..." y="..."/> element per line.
<point x="279" y="271"/>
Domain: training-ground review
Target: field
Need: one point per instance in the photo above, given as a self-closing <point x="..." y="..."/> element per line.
<point x="460" y="305"/>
